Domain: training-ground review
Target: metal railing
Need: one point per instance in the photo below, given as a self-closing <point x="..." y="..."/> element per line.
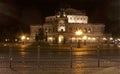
<point x="70" y="58"/>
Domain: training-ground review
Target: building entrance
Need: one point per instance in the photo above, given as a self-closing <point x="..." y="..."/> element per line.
<point x="60" y="39"/>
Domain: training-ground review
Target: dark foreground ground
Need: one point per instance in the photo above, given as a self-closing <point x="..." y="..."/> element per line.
<point x="57" y="59"/>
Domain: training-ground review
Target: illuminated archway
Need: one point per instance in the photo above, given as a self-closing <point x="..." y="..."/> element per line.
<point x="60" y="38"/>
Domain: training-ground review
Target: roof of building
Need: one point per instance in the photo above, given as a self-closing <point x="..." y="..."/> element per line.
<point x="71" y="11"/>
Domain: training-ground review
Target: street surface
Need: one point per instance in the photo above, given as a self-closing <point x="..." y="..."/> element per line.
<point x="78" y="59"/>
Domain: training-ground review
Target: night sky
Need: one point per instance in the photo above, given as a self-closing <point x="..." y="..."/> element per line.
<point x="17" y="15"/>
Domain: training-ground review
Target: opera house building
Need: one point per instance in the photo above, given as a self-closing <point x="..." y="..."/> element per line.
<point x="69" y="26"/>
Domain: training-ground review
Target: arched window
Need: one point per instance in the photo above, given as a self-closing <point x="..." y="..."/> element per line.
<point x="89" y="30"/>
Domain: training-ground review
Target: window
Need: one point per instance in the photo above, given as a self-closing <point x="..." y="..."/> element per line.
<point x="89" y="30"/>
<point x="61" y="26"/>
<point x="81" y="18"/>
<point x="61" y="29"/>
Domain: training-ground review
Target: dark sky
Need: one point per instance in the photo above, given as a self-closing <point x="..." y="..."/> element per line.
<point x="22" y="13"/>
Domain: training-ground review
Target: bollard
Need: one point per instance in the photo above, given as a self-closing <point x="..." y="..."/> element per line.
<point x="10" y="57"/>
<point x="71" y="57"/>
<point x="98" y="55"/>
<point x="38" y="55"/>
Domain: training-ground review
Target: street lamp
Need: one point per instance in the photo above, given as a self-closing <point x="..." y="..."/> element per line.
<point x="23" y="38"/>
<point x="78" y="33"/>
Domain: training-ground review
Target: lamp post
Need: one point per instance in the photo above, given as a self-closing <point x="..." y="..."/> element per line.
<point x="10" y="57"/>
<point x="78" y="33"/>
<point x="98" y="50"/>
<point x="71" y="57"/>
<point x="38" y="55"/>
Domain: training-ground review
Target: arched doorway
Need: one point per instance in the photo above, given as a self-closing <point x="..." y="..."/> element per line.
<point x="60" y="39"/>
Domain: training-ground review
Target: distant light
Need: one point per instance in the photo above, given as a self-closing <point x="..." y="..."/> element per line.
<point x="111" y="38"/>
<point x="89" y="38"/>
<point x="89" y="31"/>
<point x="115" y="40"/>
<point x="50" y="38"/>
<point x="64" y="15"/>
<point x="23" y="37"/>
<point x="118" y="39"/>
<point x="16" y="40"/>
<point x="5" y="45"/>
<point x="27" y="38"/>
<point x="93" y="38"/>
<point x="118" y="45"/>
<point x="79" y="32"/>
<point x="84" y="37"/>
<point x="6" y="40"/>
<point x="73" y="38"/>
<point x="58" y="15"/>
<point x="104" y="38"/>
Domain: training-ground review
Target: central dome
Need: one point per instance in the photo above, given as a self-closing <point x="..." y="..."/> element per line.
<point x="72" y="15"/>
<point x="71" y="11"/>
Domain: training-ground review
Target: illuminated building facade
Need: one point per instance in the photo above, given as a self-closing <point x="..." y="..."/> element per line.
<point x="62" y="27"/>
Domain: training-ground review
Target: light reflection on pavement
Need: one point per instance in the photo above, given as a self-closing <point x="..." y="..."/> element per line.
<point x="81" y="59"/>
